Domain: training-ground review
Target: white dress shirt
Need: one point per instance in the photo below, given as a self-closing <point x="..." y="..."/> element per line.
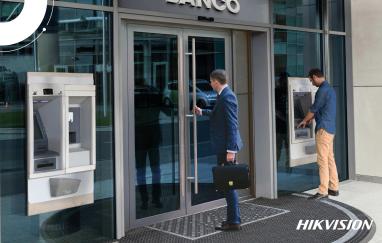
<point x="223" y="87"/>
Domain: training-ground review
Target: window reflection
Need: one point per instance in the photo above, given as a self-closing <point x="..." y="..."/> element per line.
<point x="295" y="54"/>
<point x="95" y="2"/>
<point x="297" y="13"/>
<point x="75" y="41"/>
<point x="9" y="11"/>
<point x="210" y="55"/>
<point x="156" y="124"/>
<point x="336" y="15"/>
<point x="338" y="81"/>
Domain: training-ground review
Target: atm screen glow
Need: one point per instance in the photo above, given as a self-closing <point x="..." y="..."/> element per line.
<point x="302" y="102"/>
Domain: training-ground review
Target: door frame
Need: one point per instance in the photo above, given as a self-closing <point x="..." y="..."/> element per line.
<point x="127" y="74"/>
<point x="264" y="175"/>
<point x="129" y="133"/>
<point x="227" y="36"/>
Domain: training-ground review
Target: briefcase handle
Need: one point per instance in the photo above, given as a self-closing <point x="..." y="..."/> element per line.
<point x="230" y="163"/>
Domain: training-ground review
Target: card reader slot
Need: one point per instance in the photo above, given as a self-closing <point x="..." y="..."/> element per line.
<point x="46" y="164"/>
<point x="49" y="165"/>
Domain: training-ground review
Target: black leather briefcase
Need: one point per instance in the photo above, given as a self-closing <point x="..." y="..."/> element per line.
<point x="230" y="176"/>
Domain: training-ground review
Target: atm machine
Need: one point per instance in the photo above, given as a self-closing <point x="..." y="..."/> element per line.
<point x="302" y="145"/>
<point x="61" y="141"/>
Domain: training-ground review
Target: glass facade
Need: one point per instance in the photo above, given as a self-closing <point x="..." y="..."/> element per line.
<point x="76" y="41"/>
<point x="80" y="41"/>
<point x="95" y="2"/>
<point x="338" y="81"/>
<point x="295" y="53"/>
<point x="336" y="15"/>
<point x="9" y="11"/>
<point x="298" y="13"/>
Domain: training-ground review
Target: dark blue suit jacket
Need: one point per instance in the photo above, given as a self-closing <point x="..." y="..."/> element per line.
<point x="224" y="125"/>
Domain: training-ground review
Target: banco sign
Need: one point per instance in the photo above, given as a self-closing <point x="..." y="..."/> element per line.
<point x="25" y="24"/>
<point x="232" y="6"/>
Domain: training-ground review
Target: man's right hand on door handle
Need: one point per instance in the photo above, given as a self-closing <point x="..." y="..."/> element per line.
<point x="197" y="111"/>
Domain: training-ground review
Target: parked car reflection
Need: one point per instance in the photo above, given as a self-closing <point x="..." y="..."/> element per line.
<point x="205" y="95"/>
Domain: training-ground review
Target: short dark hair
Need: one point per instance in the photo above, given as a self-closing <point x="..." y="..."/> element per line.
<point x="317" y="72"/>
<point x="220" y="75"/>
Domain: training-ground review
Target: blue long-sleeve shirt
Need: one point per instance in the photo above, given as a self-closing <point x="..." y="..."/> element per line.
<point x="324" y="108"/>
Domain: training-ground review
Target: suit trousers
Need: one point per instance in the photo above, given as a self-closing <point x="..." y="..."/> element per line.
<point x="232" y="197"/>
<point x="326" y="162"/>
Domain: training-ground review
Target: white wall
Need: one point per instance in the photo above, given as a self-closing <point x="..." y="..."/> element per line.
<point x="367" y="85"/>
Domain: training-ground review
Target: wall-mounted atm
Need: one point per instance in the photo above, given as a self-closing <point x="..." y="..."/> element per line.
<point x="61" y="141"/>
<point x="302" y="145"/>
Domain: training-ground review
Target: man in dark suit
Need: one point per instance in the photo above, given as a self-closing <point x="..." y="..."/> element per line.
<point x="225" y="138"/>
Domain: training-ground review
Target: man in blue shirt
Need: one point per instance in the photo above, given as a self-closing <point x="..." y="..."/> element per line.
<point x="324" y="112"/>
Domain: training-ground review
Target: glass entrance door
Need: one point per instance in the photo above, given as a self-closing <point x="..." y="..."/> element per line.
<point x="156" y="124"/>
<point x="206" y="52"/>
<point x="167" y="175"/>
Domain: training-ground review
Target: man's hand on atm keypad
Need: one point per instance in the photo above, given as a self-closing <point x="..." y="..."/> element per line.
<point x="302" y="124"/>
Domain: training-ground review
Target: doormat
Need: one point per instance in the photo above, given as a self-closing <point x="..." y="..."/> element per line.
<point x="196" y="226"/>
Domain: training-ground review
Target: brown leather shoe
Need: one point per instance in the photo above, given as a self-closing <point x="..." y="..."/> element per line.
<point x="317" y="196"/>
<point x="228" y="227"/>
<point x="333" y="193"/>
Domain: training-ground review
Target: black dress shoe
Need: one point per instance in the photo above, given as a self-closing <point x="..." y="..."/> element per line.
<point x="333" y="193"/>
<point x="317" y="196"/>
<point x="224" y="222"/>
<point x="228" y="227"/>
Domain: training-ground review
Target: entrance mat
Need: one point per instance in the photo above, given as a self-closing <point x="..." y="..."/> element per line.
<point x="203" y="224"/>
<point x="280" y="220"/>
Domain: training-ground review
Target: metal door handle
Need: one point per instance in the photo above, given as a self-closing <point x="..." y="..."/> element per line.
<point x="194" y="117"/>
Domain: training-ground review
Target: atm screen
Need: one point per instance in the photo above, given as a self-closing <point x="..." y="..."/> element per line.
<point x="302" y="102"/>
<point x="37" y="129"/>
<point x="40" y="138"/>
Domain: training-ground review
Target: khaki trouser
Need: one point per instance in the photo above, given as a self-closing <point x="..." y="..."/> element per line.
<point x="326" y="163"/>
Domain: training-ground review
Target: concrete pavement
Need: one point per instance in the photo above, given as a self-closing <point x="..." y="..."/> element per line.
<point x="365" y="196"/>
